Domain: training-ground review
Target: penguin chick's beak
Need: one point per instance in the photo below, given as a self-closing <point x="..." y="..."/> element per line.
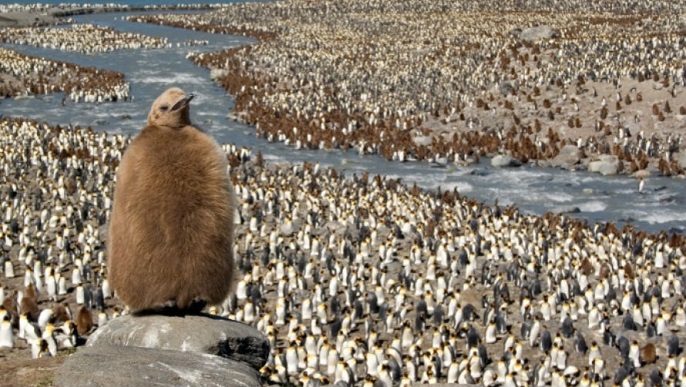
<point x="183" y="102"/>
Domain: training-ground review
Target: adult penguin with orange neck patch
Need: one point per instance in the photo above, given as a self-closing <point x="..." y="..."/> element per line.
<point x="170" y="238"/>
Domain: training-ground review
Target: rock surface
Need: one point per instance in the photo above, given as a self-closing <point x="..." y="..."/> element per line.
<point x="422" y="140"/>
<point x="201" y="334"/>
<point x="534" y="34"/>
<point x="569" y="156"/>
<point x="117" y="365"/>
<point x="509" y="87"/>
<point x="502" y="161"/>
<point x="682" y="159"/>
<point x="606" y="165"/>
<point x="160" y="350"/>
<point x="26" y="19"/>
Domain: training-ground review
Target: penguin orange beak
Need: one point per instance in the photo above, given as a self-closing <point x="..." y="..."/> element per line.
<point x="183" y="102"/>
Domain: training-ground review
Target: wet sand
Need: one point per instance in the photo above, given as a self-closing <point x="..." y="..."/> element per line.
<point x="26" y="19"/>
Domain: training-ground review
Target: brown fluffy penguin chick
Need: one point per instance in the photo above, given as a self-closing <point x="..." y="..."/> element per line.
<point x="62" y="313"/>
<point x="29" y="305"/>
<point x="30" y="292"/>
<point x="11" y="306"/>
<point x="648" y="354"/>
<point x="84" y="321"/>
<point x="170" y="240"/>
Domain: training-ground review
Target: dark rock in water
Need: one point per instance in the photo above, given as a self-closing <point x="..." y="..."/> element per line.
<point x="566" y="210"/>
<point x="117" y="365"/>
<point x="676" y="230"/>
<point x="503" y="161"/>
<point x="478" y="172"/>
<point x="125" y="117"/>
<point x="100" y="121"/>
<point x="193" y="333"/>
<point x="668" y="200"/>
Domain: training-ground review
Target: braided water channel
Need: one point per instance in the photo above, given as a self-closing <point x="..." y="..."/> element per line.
<point x="532" y="189"/>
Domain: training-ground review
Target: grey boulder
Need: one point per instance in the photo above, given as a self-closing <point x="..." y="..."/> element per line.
<point x="502" y="161"/>
<point x="569" y="155"/>
<point x="534" y="34"/>
<point x="606" y="165"/>
<point x="116" y="365"/>
<point x="682" y="159"/>
<point x="204" y="334"/>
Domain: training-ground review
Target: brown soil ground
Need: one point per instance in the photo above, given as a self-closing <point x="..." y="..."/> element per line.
<point x="21" y="371"/>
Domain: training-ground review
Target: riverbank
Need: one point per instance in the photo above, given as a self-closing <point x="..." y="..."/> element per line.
<point x="37" y="15"/>
<point x="606" y="114"/>
<point x="40" y="14"/>
<point x="551" y="87"/>
<point x="26" y="19"/>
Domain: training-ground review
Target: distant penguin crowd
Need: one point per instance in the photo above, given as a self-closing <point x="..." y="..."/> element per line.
<point x="356" y="279"/>
<point x="361" y="280"/>
<point x="29" y="76"/>
<point x="456" y="82"/>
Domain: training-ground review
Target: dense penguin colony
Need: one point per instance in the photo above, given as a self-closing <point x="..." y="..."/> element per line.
<point x="362" y="280"/>
<point x="449" y="82"/>
<point x="83" y="38"/>
<point x="23" y="75"/>
<point x="359" y="278"/>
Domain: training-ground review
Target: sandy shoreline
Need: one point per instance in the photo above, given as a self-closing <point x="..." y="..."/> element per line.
<point x="52" y="15"/>
<point x="26" y="19"/>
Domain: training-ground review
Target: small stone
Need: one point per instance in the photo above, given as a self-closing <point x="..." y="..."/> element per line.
<point x="534" y="34"/>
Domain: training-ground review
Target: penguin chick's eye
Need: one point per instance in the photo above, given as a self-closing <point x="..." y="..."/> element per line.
<point x="164" y="108"/>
